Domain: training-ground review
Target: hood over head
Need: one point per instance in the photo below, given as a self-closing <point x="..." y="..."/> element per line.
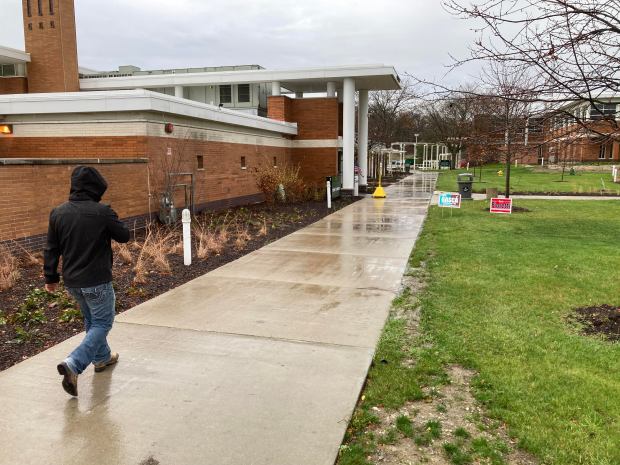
<point x="87" y="184"/>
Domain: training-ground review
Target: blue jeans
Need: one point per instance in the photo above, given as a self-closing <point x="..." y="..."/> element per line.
<point x="97" y="306"/>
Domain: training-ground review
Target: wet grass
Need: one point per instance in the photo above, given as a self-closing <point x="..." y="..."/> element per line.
<point x="529" y="180"/>
<point x="499" y="292"/>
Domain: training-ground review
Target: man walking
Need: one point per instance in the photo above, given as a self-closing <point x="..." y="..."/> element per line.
<point x="80" y="231"/>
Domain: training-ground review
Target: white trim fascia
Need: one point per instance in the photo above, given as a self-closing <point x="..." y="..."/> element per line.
<point x="134" y="100"/>
<point x="338" y="74"/>
<point x="13" y="56"/>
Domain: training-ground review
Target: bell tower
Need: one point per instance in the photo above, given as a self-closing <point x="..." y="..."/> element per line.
<point x="49" y="31"/>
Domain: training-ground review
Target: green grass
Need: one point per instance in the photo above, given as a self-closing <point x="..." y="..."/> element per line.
<point x="500" y="288"/>
<point x="527" y="180"/>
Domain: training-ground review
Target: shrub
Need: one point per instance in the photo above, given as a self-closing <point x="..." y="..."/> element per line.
<point x="123" y="253"/>
<point x="9" y="269"/>
<point x="269" y="178"/>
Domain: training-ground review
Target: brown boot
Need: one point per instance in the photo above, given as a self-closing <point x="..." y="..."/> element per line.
<point x="69" y="382"/>
<point x="99" y="367"/>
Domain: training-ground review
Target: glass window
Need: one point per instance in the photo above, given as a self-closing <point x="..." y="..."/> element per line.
<point x="243" y="165"/>
<point x="7" y="70"/>
<point x="200" y="161"/>
<point x="601" y="152"/>
<point x="40" y="5"/>
<point x="603" y="111"/>
<point x="51" y="7"/>
<point x="535" y="125"/>
<point x="243" y="93"/>
<point x="226" y="94"/>
<point x="29" y="8"/>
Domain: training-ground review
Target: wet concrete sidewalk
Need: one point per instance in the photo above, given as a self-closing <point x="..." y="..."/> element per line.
<point x="259" y="362"/>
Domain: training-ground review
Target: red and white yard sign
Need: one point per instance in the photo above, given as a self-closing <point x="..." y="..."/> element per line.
<point x="501" y="205"/>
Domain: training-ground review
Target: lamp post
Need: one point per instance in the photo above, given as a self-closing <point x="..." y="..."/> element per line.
<point x="415" y="149"/>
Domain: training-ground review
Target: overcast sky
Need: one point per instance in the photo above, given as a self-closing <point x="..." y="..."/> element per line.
<point x="416" y="36"/>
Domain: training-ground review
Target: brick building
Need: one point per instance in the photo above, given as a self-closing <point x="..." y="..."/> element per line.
<point x="577" y="132"/>
<point x="213" y="124"/>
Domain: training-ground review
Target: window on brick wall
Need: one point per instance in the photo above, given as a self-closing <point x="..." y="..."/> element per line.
<point x="603" y="111"/>
<point x="7" y="70"/>
<point x="200" y="162"/>
<point x="29" y="8"/>
<point x="601" y="152"/>
<point x="275" y="162"/>
<point x="226" y="94"/>
<point x="51" y="7"/>
<point x="243" y="165"/>
<point x="243" y="93"/>
<point x="52" y="24"/>
<point x="40" y="5"/>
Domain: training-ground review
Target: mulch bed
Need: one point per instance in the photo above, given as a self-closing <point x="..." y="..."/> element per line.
<point x="273" y="221"/>
<point x="602" y="320"/>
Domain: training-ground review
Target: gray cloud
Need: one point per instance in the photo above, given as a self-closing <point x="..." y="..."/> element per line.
<point x="415" y="36"/>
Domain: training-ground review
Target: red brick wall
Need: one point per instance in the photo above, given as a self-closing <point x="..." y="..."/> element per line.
<point x="13" y="85"/>
<point x="316" y="163"/>
<point x="73" y="147"/>
<point x="316" y="118"/>
<point x="52" y="44"/>
<point x="222" y="176"/>
<point x="279" y="108"/>
<point x="30" y="192"/>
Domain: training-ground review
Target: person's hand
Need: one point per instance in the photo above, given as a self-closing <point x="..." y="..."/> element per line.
<point x="51" y="288"/>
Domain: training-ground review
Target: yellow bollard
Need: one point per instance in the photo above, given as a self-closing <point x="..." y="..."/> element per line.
<point x="379" y="193"/>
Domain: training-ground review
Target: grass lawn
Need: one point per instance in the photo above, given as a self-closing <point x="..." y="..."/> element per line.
<point x="528" y="180"/>
<point x="499" y="289"/>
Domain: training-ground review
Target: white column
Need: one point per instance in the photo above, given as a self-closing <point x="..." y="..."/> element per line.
<point x="275" y="88"/>
<point x="348" y="133"/>
<point x="299" y="95"/>
<point x="178" y="91"/>
<point x="331" y="89"/>
<point x="362" y="138"/>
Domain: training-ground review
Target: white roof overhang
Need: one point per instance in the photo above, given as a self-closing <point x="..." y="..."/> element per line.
<point x="368" y="77"/>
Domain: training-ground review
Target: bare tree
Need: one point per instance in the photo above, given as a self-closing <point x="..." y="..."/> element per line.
<point x="573" y="46"/>
<point x="393" y="115"/>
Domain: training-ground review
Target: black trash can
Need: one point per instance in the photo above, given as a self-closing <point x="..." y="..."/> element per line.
<point x="465" y="181"/>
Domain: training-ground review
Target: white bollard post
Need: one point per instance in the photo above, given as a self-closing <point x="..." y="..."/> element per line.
<point x="329" y="192"/>
<point x="187" y="237"/>
<point x="542" y="161"/>
<point x="467" y="166"/>
<point x="356" y="186"/>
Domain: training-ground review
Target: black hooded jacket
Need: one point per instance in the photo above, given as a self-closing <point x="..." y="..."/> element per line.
<point x="80" y="231"/>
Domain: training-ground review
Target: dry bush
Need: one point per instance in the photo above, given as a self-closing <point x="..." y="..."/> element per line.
<point x="243" y="236"/>
<point x="269" y="177"/>
<point x="209" y="240"/>
<point x="153" y="251"/>
<point x="29" y="258"/>
<point x="263" y="229"/>
<point x="176" y="248"/>
<point x="9" y="269"/>
<point x="122" y="252"/>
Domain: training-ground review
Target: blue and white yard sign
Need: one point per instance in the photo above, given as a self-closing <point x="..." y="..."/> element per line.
<point x="449" y="200"/>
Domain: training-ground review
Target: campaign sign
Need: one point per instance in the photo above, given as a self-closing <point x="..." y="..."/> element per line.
<point x="449" y="200"/>
<point x="501" y="205"/>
